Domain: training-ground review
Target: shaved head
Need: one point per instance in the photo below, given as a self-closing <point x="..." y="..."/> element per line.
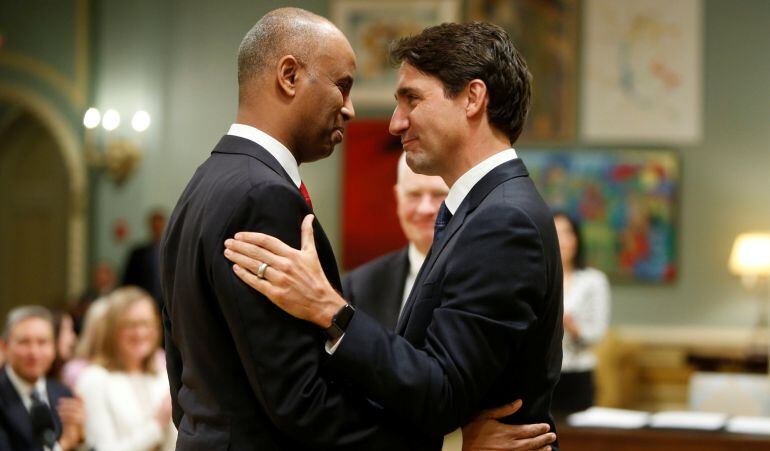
<point x="283" y="31"/>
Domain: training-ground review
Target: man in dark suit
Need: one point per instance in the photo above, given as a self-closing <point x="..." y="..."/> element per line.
<point x="35" y="413"/>
<point x="143" y="265"/>
<point x="243" y="374"/>
<point x="381" y="286"/>
<point x="482" y="324"/>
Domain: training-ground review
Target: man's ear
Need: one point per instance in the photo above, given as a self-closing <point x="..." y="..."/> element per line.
<point x="286" y="74"/>
<point x="477" y="98"/>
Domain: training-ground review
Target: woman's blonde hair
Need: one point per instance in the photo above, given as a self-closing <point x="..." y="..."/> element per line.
<point x="92" y="334"/>
<point x="119" y="301"/>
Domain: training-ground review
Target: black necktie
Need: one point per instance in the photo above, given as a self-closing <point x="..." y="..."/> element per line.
<point x="42" y="421"/>
<point x="442" y="219"/>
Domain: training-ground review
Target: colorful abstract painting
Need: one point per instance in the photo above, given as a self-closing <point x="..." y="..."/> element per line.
<point x="642" y="71"/>
<point x="545" y="32"/>
<point x="626" y="202"/>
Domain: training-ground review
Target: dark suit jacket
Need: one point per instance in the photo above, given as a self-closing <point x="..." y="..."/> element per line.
<point x="482" y="325"/>
<point x="244" y="374"/>
<point x="143" y="269"/>
<point x="15" y="425"/>
<point x="377" y="287"/>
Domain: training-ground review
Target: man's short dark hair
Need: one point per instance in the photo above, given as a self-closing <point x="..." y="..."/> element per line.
<point x="458" y="53"/>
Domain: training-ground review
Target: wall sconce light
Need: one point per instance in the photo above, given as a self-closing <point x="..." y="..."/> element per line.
<point x="108" y="151"/>
<point x="750" y="259"/>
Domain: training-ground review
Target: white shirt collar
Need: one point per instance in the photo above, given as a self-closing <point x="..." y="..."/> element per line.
<point x="24" y="388"/>
<point x="416" y="259"/>
<point x="467" y="181"/>
<point x="272" y="145"/>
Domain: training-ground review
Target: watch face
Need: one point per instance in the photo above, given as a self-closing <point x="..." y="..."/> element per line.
<point x="342" y="318"/>
<point x="340" y="322"/>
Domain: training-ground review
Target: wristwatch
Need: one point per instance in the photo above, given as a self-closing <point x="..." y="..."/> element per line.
<point x="340" y="322"/>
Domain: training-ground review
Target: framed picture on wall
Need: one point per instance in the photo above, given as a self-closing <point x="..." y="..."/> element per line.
<point x="626" y="201"/>
<point x="546" y="34"/>
<point x="642" y="71"/>
<point x="371" y="25"/>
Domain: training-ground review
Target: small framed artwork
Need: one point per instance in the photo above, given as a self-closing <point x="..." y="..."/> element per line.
<point x="642" y="72"/>
<point x="371" y="26"/>
<point x="546" y="34"/>
<point x="626" y="201"/>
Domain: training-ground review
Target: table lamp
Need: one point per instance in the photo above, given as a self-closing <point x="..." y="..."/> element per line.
<point x="750" y="259"/>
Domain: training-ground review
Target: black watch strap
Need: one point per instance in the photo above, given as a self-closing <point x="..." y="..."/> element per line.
<point x="340" y="322"/>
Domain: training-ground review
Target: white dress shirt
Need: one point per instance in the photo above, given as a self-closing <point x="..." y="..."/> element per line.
<point x="416" y="259"/>
<point x="272" y="145"/>
<point x="467" y="181"/>
<point x="25" y="389"/>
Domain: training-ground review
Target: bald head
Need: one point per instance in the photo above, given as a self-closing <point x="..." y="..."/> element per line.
<point x="283" y="31"/>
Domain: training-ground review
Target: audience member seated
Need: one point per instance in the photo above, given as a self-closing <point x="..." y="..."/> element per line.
<point x="586" y="317"/>
<point x="36" y="413"/>
<point x="381" y="286"/>
<point x="91" y="335"/>
<point x="66" y="339"/>
<point x="126" y="394"/>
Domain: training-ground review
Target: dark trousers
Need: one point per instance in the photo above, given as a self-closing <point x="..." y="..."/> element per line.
<point x="573" y="393"/>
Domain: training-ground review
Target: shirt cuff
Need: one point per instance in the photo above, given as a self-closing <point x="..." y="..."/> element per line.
<point x="331" y="348"/>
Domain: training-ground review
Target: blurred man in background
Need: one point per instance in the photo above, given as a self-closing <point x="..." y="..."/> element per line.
<point x="143" y="267"/>
<point x="35" y="413"/>
<point x="381" y="286"/>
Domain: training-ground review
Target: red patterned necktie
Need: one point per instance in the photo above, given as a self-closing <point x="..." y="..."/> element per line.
<point x="303" y="190"/>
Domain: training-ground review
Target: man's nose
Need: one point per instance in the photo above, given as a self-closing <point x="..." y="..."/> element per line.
<point x="427" y="205"/>
<point x="398" y="122"/>
<point x="348" y="112"/>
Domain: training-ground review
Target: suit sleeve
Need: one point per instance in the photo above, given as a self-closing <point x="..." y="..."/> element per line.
<point x="173" y="366"/>
<point x="347" y="289"/>
<point x="489" y="298"/>
<point x="284" y="357"/>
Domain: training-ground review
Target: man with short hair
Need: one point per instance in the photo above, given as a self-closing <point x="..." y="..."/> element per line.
<point x="483" y="323"/>
<point x="381" y="286"/>
<point x="243" y="374"/>
<point x="35" y="413"/>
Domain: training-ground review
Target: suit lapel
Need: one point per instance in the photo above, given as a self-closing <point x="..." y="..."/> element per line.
<point x="506" y="171"/>
<point x="230" y="144"/>
<point x="13" y="407"/>
<point x="326" y="256"/>
<point x="54" y="394"/>
<point x="391" y="288"/>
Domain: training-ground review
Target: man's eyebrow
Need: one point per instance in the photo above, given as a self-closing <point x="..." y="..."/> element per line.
<point x="404" y="90"/>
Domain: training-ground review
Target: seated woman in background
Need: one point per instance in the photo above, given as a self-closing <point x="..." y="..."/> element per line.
<point x="64" y="331"/>
<point x="91" y="335"/>
<point x="586" y="317"/>
<point x="126" y="395"/>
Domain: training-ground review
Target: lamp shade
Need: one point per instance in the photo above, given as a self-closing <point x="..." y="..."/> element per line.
<point x="751" y="254"/>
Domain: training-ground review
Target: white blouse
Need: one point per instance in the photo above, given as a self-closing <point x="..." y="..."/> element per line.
<point x="120" y="410"/>
<point x="587" y="300"/>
